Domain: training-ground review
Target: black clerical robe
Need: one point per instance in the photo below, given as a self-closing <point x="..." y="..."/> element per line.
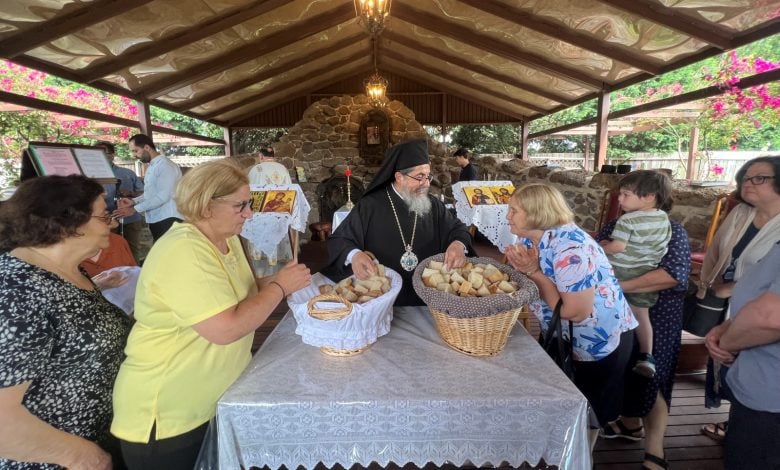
<point x="371" y="226"/>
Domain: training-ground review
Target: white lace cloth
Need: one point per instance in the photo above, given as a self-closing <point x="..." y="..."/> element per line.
<point x="490" y="220"/>
<point x="362" y="327"/>
<point x="266" y="229"/>
<point x="409" y="398"/>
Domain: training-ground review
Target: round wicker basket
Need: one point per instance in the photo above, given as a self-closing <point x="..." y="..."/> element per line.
<point x="478" y="336"/>
<point x="332" y="314"/>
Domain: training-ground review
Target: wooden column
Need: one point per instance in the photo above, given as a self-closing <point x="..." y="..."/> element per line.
<point x="602" y="127"/>
<point x="144" y="118"/>
<point x="525" y="127"/>
<point x="586" y="151"/>
<point x="693" y="150"/>
<point x="228" y="141"/>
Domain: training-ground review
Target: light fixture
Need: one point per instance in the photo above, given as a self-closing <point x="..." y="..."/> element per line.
<point x="372" y="14"/>
<point x="376" y="85"/>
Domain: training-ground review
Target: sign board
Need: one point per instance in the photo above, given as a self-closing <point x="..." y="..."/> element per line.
<point x="66" y="159"/>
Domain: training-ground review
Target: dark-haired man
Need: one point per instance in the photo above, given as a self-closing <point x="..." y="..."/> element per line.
<point x="157" y="202"/>
<point x="467" y="172"/>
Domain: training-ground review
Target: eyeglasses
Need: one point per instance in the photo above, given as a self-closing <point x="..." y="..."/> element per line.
<point x="239" y="206"/>
<point x="420" y="178"/>
<point x="757" y="180"/>
<point x="106" y="218"/>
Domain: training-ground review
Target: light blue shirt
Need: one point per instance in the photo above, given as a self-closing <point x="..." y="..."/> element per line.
<point x="129" y="182"/>
<point x="160" y="181"/>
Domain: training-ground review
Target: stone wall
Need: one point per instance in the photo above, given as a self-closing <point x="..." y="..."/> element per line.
<point x="326" y="139"/>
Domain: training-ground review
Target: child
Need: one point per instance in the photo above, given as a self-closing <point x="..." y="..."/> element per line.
<point x="638" y="243"/>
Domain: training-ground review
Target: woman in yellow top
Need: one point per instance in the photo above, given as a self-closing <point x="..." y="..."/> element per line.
<point x="197" y="306"/>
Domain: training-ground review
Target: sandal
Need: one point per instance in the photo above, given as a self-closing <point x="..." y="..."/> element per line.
<point x="608" y="432"/>
<point x="656" y="460"/>
<point x="715" y="431"/>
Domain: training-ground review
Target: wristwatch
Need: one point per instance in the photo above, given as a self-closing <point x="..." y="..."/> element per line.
<point x="531" y="272"/>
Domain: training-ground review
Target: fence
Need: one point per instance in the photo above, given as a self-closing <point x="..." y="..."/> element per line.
<point x="711" y="166"/>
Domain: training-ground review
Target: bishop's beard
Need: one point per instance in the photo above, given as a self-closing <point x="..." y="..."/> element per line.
<point x="418" y="201"/>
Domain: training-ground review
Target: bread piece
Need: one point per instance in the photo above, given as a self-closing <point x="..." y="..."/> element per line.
<point x="364" y="298"/>
<point x="437" y="265"/>
<point x="483" y="291"/>
<point x="492" y="274"/>
<point x="465" y="287"/>
<point x="475" y="279"/>
<point x="506" y="287"/>
<point x="326" y="289"/>
<point x="349" y="295"/>
<point x="428" y="272"/>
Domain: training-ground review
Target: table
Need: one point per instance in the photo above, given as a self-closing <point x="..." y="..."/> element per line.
<point x="490" y="220"/>
<point x="339" y="216"/>
<point x="407" y="398"/>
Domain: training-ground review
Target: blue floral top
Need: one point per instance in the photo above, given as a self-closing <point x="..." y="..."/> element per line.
<point x="575" y="262"/>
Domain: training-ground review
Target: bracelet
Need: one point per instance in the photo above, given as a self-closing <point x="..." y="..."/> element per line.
<point x="531" y="272"/>
<point x="284" y="294"/>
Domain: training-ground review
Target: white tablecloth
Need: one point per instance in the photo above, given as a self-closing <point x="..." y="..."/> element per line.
<point x="490" y="220"/>
<point x="407" y="398"/>
<point x="266" y="229"/>
<point x="338" y="217"/>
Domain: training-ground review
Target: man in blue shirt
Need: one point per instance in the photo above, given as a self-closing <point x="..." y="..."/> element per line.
<point x="160" y="181"/>
<point x="750" y="341"/>
<point x="130" y="185"/>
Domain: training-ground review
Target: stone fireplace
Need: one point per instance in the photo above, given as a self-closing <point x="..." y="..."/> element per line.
<point x="328" y="138"/>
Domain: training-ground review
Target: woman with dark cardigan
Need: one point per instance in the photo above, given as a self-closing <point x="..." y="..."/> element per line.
<point x="650" y="399"/>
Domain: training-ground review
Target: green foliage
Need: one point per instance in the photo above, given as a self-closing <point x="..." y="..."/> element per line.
<point x="496" y="138"/>
<point x="253" y="140"/>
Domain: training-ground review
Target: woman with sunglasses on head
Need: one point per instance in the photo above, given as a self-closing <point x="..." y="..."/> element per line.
<point x="744" y="237"/>
<point x="61" y="342"/>
<point x="197" y="307"/>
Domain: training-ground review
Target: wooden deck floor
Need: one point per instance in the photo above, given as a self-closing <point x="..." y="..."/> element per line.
<point x="686" y="448"/>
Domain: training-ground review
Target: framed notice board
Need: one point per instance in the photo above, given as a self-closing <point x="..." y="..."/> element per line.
<point x="45" y="158"/>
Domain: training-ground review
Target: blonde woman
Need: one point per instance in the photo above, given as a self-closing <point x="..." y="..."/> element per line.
<point x="567" y="265"/>
<point x="197" y="307"/>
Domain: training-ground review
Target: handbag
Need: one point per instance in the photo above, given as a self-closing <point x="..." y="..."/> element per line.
<point x="702" y="315"/>
<point x="560" y="350"/>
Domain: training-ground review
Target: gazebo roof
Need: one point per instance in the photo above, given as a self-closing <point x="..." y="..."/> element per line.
<point x="231" y="61"/>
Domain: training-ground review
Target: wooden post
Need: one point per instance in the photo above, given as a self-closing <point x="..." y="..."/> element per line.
<point x="602" y="126"/>
<point x="144" y="118"/>
<point x="525" y="127"/>
<point x="693" y="150"/>
<point x="586" y="145"/>
<point x="228" y="141"/>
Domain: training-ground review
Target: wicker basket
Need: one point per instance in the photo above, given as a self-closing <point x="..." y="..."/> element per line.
<point x="477" y="326"/>
<point x="328" y="314"/>
<point x="479" y="336"/>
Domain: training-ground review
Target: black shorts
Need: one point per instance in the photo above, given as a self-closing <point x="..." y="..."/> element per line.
<point x="602" y="381"/>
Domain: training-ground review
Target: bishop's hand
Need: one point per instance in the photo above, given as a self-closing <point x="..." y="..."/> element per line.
<point x="363" y="266"/>
<point x="455" y="256"/>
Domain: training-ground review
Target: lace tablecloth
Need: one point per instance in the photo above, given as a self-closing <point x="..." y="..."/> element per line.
<point x="490" y="220"/>
<point x="266" y="229"/>
<point x="409" y="398"/>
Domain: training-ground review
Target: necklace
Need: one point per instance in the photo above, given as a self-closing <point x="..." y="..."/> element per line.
<point x="408" y="259"/>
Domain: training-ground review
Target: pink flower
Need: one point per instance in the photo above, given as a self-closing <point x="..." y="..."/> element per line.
<point x="717" y="170"/>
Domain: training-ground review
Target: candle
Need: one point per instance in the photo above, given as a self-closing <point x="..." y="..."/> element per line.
<point x="349" y="204"/>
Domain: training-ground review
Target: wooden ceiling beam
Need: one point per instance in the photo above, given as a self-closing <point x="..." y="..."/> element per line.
<point x="435" y="24"/>
<point x="472" y="66"/>
<point x="673" y="18"/>
<point x="316" y="24"/>
<point x="454" y="78"/>
<point x="285" y="99"/>
<point x="271" y="72"/>
<point x="62" y="25"/>
<point x="567" y="34"/>
<point x="405" y="72"/>
<point x="181" y="38"/>
<point x="280" y="88"/>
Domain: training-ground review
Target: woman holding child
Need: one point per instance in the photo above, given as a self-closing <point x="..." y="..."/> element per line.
<point x="568" y="266"/>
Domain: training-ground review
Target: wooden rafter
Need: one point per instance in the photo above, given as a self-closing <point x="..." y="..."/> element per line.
<point x="673" y="18"/>
<point x="473" y="66"/>
<point x="569" y="35"/>
<point x="270" y="72"/>
<point x="281" y="88"/>
<point x="315" y="24"/>
<point x="62" y="25"/>
<point x="232" y="121"/>
<point x="180" y="38"/>
<point x="491" y="45"/>
<point x="454" y="78"/>
<point x="407" y="72"/>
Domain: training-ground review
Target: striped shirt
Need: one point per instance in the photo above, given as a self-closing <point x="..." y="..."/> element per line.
<point x="646" y="235"/>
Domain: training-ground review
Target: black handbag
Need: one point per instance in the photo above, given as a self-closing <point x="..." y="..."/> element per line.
<point x="702" y="315"/>
<point x="560" y="350"/>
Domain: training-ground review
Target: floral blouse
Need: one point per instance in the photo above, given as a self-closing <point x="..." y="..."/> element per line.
<point x="575" y="262"/>
<point x="66" y="342"/>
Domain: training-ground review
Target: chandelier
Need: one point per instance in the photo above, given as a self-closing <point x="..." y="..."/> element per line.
<point x="376" y="85"/>
<point x="372" y="14"/>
